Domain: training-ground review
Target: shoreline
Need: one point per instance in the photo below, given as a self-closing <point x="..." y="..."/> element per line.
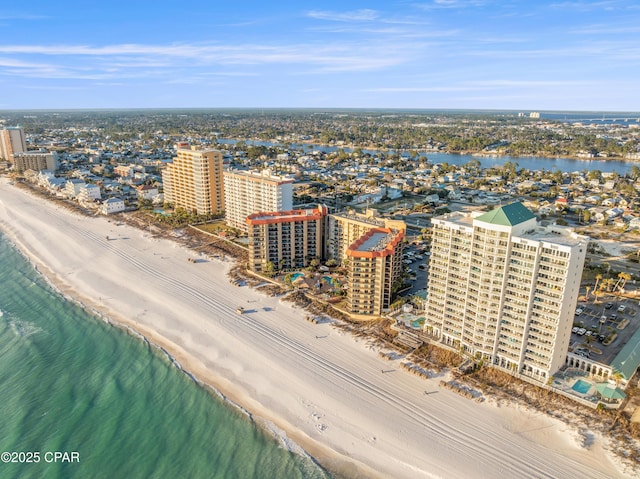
<point x="325" y="458"/>
<point x="426" y="152"/>
<point x="376" y="427"/>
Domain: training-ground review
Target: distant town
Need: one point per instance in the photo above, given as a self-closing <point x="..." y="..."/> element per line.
<point x="372" y="218"/>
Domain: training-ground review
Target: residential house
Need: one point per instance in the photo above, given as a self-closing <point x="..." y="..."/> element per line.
<point x="112" y="205"/>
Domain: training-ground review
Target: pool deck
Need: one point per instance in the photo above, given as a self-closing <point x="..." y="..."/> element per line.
<point x="565" y="380"/>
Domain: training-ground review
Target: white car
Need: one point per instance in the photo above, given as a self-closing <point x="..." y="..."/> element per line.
<point x="579" y="311"/>
<point x="621" y="308"/>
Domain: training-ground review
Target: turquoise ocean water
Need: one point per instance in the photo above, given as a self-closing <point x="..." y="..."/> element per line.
<point x="72" y="383"/>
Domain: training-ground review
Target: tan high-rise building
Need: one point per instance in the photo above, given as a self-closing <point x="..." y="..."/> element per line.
<point x="503" y="289"/>
<point x="374" y="265"/>
<point x="194" y="180"/>
<point x="248" y="192"/>
<point x="346" y="227"/>
<point x="12" y="141"/>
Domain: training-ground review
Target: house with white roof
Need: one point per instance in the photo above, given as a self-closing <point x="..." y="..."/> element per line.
<point x="73" y="187"/>
<point x="89" y="192"/>
<point x="112" y="205"/>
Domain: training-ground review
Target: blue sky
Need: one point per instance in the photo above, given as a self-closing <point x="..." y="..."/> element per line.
<point x="468" y="54"/>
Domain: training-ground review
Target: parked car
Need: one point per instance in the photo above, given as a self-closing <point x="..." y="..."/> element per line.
<point x="581" y="331"/>
<point x="575" y="329"/>
<point x="608" y="306"/>
<point x="579" y="311"/>
<point x="621" y="308"/>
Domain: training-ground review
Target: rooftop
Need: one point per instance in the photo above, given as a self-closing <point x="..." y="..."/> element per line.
<point x="628" y="359"/>
<point x="287" y="216"/>
<point x="508" y="215"/>
<point x="377" y="241"/>
<point x="557" y="235"/>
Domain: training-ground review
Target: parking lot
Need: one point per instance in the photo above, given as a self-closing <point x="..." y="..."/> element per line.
<point x="593" y="323"/>
<point x="416" y="259"/>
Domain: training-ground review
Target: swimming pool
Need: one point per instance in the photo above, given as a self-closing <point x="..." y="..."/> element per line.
<point x="581" y="386"/>
<point x="417" y="323"/>
<point x="295" y="276"/>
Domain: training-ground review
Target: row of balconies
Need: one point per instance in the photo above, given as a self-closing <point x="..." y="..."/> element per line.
<point x="509" y="354"/>
<point x="554" y="261"/>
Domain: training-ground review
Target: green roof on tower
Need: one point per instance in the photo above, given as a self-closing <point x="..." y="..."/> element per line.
<point x="509" y="215"/>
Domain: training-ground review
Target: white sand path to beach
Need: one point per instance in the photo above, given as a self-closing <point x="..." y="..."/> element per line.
<point x="323" y="388"/>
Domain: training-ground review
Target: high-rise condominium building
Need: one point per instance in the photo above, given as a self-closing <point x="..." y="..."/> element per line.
<point x="12" y="141"/>
<point x="346" y="227"/>
<point x="286" y="239"/>
<point x="248" y="192"/>
<point x="374" y="265"/>
<point x="503" y="289"/>
<point x="35" y="160"/>
<point x="194" y="180"/>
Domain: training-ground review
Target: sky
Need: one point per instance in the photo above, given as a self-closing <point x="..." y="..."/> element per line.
<point x="529" y="55"/>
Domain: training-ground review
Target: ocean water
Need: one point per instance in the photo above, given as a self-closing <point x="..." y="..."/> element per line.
<point x="72" y="383"/>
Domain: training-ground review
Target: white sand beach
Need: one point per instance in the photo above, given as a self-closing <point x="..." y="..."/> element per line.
<point x="323" y="388"/>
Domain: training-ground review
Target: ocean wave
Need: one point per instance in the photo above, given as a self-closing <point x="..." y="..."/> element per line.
<point x="24" y="329"/>
<point x="280" y="435"/>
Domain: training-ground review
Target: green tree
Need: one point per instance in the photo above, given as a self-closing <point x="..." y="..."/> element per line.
<point x="269" y="270"/>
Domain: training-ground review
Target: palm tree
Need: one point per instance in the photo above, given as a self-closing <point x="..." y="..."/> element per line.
<point x="607" y="284"/>
<point x="269" y="269"/>
<point x="598" y="278"/>
<point x="586" y="296"/>
<point x="622" y="277"/>
<point x="617" y="377"/>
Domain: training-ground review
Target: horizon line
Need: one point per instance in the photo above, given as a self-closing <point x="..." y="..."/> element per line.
<point x="321" y="109"/>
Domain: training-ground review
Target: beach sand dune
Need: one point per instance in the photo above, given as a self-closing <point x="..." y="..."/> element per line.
<point x="323" y="388"/>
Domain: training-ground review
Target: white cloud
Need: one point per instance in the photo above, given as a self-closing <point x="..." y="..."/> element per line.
<point x="21" y="16"/>
<point x="132" y="60"/>
<point x="364" y="15"/>
<point x="451" y="4"/>
<point x="606" y="29"/>
<point x="606" y="5"/>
